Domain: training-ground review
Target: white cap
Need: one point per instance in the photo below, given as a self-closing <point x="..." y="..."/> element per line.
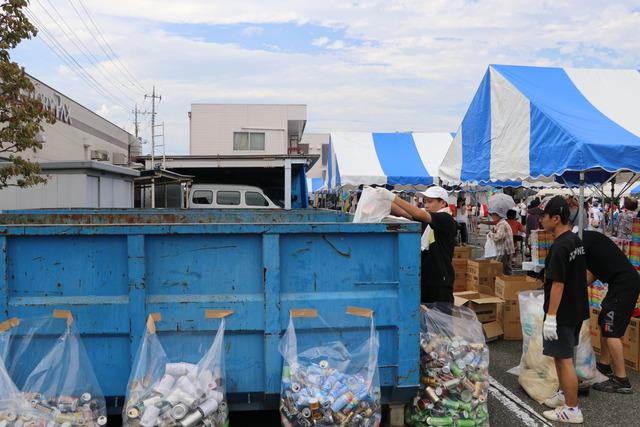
<point x="436" y="192"/>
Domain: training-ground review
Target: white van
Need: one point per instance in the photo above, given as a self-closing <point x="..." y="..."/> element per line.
<point x="228" y="196"/>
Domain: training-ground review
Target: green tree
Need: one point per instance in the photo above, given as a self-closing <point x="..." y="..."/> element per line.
<point x="21" y="114"/>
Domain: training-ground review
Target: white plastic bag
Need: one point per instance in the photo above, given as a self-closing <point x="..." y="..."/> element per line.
<point x="53" y="371"/>
<point x="162" y="392"/>
<point x="323" y="381"/>
<point x="537" y="374"/>
<point x="372" y="207"/>
<point x="490" y="250"/>
<point x="10" y="400"/>
<point x="454" y="368"/>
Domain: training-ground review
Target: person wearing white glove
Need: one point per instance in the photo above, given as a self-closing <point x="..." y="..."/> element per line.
<point x="565" y="306"/>
<point x="550" y="328"/>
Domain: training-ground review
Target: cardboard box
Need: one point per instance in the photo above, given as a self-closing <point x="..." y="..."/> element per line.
<point x="631" y="345"/>
<point x="509" y="318"/>
<point x="630" y="340"/>
<point x="508" y="287"/>
<point x="462" y="252"/>
<point x="459" y="264"/>
<point x="486" y="283"/>
<point x="485" y="306"/>
<point x="492" y="331"/>
<point x="482" y="268"/>
<point x="460" y="285"/>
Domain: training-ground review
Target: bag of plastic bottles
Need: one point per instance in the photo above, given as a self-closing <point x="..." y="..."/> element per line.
<point x="537" y="374"/>
<point x="166" y="392"/>
<point x="454" y="368"/>
<point x="9" y="395"/>
<point x="329" y="382"/>
<point x="51" y="368"/>
<point x="371" y="206"/>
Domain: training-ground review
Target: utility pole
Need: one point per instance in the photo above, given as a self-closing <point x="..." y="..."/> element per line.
<point x="153" y="97"/>
<point x="136" y="123"/>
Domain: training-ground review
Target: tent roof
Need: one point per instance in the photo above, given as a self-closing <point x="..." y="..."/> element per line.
<point x="401" y="158"/>
<point x="528" y="123"/>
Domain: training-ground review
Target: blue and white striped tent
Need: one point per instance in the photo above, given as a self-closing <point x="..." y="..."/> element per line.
<point x="400" y="158"/>
<point x="537" y="123"/>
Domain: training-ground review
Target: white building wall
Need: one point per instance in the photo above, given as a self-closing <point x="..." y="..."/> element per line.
<point x="315" y="142"/>
<point x="212" y="127"/>
<point x="77" y="131"/>
<point x="71" y="190"/>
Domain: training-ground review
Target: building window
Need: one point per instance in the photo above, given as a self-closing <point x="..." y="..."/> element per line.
<point x="253" y="141"/>
<point x="228" y="198"/>
<point x="256" y="141"/>
<point x="202" y="197"/>
<point x="252" y="198"/>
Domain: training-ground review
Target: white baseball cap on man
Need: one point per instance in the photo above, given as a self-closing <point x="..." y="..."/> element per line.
<point x="436" y="192"/>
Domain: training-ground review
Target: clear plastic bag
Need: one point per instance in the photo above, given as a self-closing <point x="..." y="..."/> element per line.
<point x="537" y="374"/>
<point x="9" y="395"/>
<point x="454" y="369"/>
<point x="54" y="374"/>
<point x="323" y="382"/>
<point x="490" y="250"/>
<point x="372" y="207"/>
<point x="162" y="392"/>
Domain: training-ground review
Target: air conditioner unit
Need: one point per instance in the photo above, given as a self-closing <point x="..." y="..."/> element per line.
<point x="99" y="155"/>
<point x="119" y="158"/>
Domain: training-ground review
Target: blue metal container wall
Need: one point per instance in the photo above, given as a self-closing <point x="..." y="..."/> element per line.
<point x="112" y="275"/>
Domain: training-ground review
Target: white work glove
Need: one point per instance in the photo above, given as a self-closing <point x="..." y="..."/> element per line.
<point x="385" y="194"/>
<point x="550" y="328"/>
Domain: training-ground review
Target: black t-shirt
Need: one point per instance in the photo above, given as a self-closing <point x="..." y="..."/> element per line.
<point x="607" y="262"/>
<point x="437" y="273"/>
<point x="566" y="263"/>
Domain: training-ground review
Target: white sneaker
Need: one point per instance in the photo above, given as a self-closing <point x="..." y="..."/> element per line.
<point x="564" y="414"/>
<point x="555" y="401"/>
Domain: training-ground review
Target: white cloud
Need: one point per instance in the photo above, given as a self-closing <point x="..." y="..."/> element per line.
<point x="252" y="30"/>
<point x="412" y="65"/>
<point x="338" y="44"/>
<point x="320" y="41"/>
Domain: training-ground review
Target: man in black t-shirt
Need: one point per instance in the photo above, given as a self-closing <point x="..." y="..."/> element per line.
<point x="607" y="263"/>
<point x="437" y="243"/>
<point x="565" y="306"/>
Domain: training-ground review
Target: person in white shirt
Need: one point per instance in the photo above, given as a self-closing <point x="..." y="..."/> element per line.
<point x="462" y="219"/>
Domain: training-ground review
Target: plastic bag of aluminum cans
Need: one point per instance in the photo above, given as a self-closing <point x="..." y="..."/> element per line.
<point x="327" y="381"/>
<point x="9" y="395"/>
<point x="454" y="368"/>
<point x="53" y="372"/>
<point x="177" y="393"/>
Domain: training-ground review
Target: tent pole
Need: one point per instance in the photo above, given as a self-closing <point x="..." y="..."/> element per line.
<point x="581" y="206"/>
<point x="613" y="194"/>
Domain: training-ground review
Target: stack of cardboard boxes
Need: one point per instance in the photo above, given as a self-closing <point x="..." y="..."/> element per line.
<point x="481" y="275"/>
<point x="461" y="254"/>
<point x="507" y="289"/>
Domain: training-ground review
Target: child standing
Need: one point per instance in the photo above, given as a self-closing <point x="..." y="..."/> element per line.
<point x="565" y="307"/>
<point x="503" y="238"/>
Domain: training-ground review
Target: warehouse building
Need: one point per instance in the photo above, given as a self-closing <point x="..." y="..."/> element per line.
<point x="84" y="156"/>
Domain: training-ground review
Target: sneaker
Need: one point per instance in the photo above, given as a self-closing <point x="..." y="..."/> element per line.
<point x="604" y="369"/>
<point x="614" y="385"/>
<point x="555" y="401"/>
<point x="564" y="414"/>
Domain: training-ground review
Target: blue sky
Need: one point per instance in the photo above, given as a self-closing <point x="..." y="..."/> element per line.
<point x="375" y="65"/>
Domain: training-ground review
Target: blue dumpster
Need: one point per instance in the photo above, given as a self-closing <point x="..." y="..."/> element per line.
<point x="113" y="267"/>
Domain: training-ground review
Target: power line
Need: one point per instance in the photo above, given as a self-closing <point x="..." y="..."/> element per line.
<point x="64" y="56"/>
<point x="86" y="52"/>
<point x="113" y="56"/>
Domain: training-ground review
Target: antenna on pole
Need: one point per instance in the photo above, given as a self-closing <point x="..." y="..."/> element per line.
<point x="153" y="97"/>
